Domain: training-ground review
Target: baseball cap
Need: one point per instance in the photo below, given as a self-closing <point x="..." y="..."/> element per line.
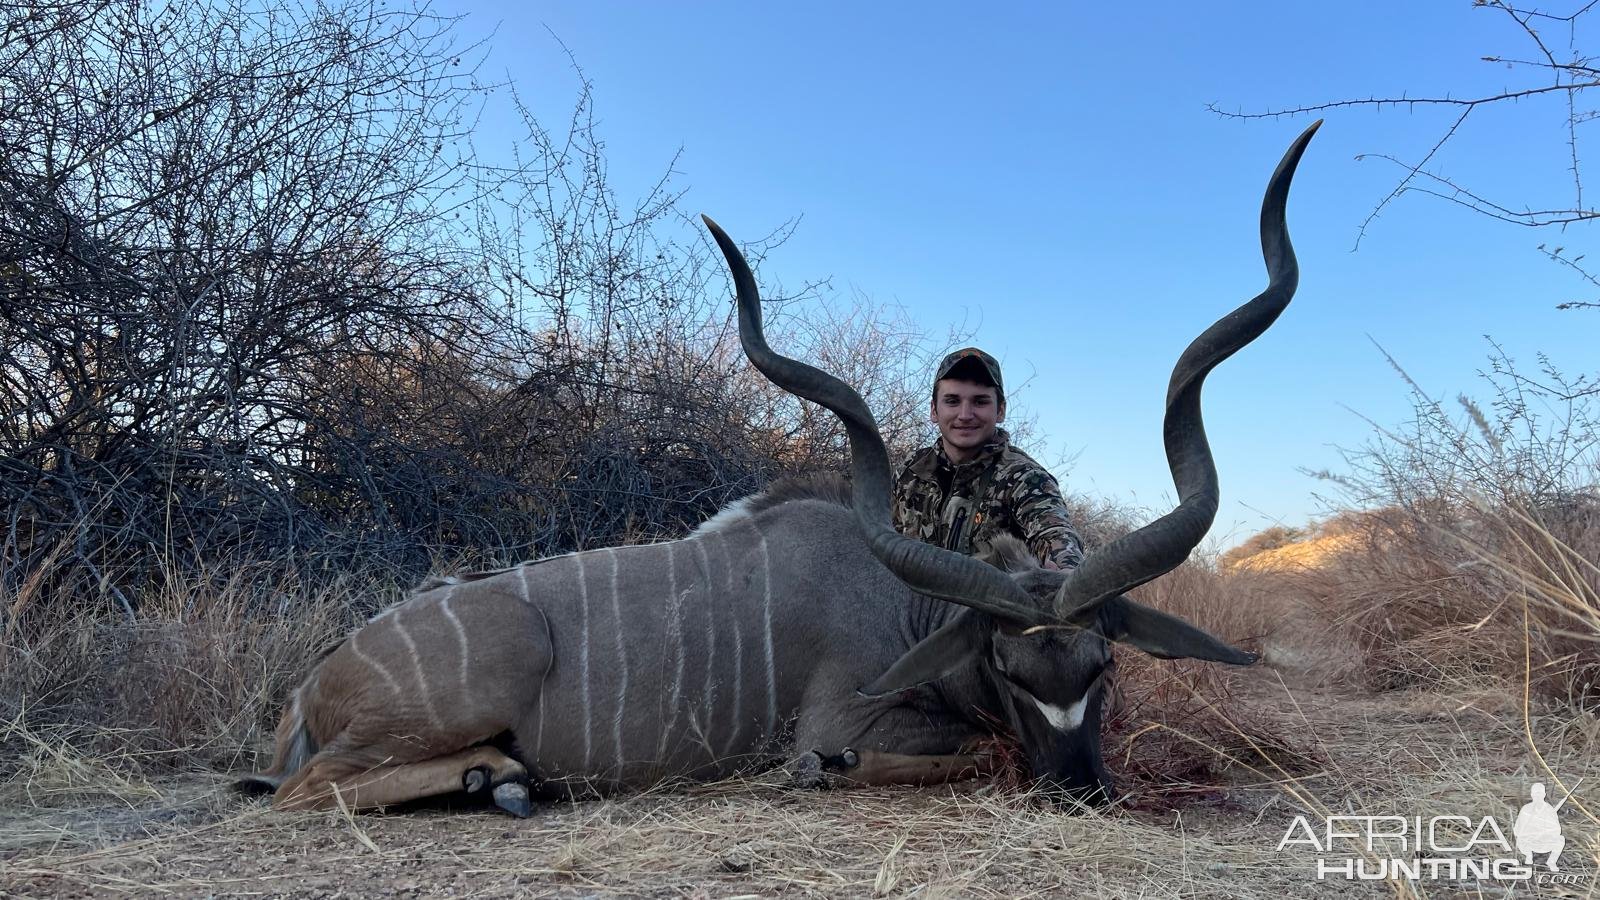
<point x="979" y="358"/>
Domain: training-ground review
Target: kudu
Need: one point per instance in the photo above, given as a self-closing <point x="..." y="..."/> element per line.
<point x="796" y="624"/>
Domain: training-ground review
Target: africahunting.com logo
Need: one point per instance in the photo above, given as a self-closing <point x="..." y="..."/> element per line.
<point x="1447" y="847"/>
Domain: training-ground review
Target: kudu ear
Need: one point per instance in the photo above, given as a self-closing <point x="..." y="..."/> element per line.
<point x="952" y="646"/>
<point x="1161" y="635"/>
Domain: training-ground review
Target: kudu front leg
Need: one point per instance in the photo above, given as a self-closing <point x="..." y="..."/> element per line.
<point x="884" y="746"/>
<point x="875" y="767"/>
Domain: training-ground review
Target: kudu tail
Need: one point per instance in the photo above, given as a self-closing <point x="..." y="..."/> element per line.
<point x="294" y="747"/>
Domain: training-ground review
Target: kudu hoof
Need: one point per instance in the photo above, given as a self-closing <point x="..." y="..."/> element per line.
<point x="847" y="759"/>
<point x="513" y="798"/>
<point x="805" y="772"/>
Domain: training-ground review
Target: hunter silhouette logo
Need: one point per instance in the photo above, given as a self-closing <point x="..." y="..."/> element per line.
<point x="1538" y="829"/>
<point x="1446" y="847"/>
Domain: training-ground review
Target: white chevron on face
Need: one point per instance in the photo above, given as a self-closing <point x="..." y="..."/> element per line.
<point x="1062" y="719"/>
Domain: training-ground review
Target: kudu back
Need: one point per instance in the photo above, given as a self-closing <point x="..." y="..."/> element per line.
<point x="795" y="626"/>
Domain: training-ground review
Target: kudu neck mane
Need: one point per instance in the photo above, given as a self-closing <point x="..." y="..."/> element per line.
<point x="1005" y="552"/>
<point x="829" y="487"/>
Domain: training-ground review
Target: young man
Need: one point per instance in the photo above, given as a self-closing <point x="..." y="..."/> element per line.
<point x="972" y="484"/>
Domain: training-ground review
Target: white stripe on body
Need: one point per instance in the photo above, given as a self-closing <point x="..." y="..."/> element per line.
<point x="422" y="677"/>
<point x="583" y="660"/>
<point x="538" y="740"/>
<point x="461" y="638"/>
<point x="669" y="717"/>
<point x="708" y="697"/>
<point x="766" y="632"/>
<point x="388" y="679"/>
<point x="622" y="661"/>
<point x="736" y="713"/>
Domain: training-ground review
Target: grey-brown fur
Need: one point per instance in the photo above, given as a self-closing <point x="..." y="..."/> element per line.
<point x="623" y="667"/>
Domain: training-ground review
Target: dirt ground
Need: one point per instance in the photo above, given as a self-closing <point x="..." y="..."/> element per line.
<point x="1399" y="753"/>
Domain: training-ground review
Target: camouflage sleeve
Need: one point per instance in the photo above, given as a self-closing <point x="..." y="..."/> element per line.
<point x="897" y="508"/>
<point x="1042" y="515"/>
<point x="899" y="511"/>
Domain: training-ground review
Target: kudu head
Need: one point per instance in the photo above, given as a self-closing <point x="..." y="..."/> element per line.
<point x="1044" y="636"/>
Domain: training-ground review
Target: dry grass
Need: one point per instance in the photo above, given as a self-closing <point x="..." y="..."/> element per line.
<point x="1180" y="729"/>
<point x="196" y="684"/>
<point x="748" y="838"/>
<point x="1296" y="556"/>
<point x="1499" y="593"/>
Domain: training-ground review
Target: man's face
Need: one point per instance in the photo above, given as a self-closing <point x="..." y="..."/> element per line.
<point x="966" y="413"/>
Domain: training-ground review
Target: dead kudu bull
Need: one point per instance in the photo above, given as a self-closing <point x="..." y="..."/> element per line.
<point x="791" y="626"/>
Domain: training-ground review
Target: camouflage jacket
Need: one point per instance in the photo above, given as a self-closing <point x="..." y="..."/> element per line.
<point x="1002" y="490"/>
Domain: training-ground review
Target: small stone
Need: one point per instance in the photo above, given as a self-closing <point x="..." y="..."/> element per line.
<point x="740" y="858"/>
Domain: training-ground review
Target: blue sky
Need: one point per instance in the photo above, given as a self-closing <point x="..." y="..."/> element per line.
<point x="1050" y="177"/>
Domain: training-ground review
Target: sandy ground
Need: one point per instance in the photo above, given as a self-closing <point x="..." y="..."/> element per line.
<point x="1410" y="754"/>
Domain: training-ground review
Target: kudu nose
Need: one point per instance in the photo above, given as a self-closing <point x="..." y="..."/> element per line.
<point x="1075" y="794"/>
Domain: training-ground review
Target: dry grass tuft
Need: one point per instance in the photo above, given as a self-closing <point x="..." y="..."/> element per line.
<point x="54" y="770"/>
<point x="193" y="685"/>
<point x="1182" y="730"/>
<point x="1500" y="593"/>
